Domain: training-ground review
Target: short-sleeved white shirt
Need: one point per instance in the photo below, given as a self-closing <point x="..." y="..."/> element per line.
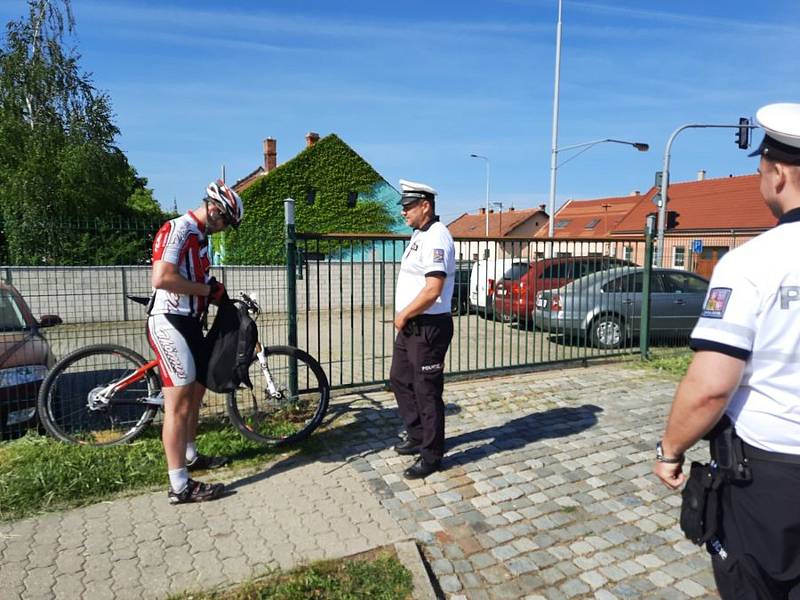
<point x="430" y="251"/>
<point x="752" y="312"/>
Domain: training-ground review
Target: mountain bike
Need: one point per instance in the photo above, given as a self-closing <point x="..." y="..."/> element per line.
<point x="104" y="394"/>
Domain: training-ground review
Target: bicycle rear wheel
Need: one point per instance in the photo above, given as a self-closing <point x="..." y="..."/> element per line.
<point x="66" y="406"/>
<point x="294" y="412"/>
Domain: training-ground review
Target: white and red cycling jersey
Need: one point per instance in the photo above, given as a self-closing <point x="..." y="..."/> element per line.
<point x="182" y="242"/>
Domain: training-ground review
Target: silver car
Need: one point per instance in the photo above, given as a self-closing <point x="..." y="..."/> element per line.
<point x="606" y="307"/>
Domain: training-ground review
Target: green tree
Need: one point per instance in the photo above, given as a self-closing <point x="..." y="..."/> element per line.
<point x="58" y="158"/>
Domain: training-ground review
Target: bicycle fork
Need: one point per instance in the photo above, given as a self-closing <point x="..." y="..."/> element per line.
<point x="261" y="355"/>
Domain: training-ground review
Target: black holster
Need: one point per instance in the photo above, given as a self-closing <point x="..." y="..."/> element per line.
<point x="700" y="509"/>
<point x="700" y="506"/>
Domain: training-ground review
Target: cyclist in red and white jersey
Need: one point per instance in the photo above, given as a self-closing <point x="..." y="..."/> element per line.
<point x="182" y="291"/>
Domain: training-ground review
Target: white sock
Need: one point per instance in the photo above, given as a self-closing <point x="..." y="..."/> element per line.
<point x="191" y="451"/>
<point x="178" y="479"/>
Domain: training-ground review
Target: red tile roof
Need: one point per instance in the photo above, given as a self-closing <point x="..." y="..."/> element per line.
<point x="591" y="218"/>
<point x="708" y="205"/>
<point x="500" y="224"/>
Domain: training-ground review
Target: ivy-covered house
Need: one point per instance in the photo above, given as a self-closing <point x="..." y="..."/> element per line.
<point x="335" y="191"/>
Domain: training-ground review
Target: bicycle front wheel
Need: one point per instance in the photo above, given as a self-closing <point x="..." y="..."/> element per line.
<point x="292" y="410"/>
<point x="73" y="411"/>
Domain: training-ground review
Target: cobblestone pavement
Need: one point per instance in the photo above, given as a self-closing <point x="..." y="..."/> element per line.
<point x="546" y="492"/>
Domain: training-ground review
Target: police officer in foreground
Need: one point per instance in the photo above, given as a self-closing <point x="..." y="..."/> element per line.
<point x="424" y="329"/>
<point x="747" y="366"/>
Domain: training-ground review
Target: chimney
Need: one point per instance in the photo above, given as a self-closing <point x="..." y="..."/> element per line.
<point x="311" y="139"/>
<point x="270" y="154"/>
<point x="635" y="193"/>
<point x="510" y="209"/>
<point x="542" y="207"/>
<point x="481" y="211"/>
<point x="701" y="175"/>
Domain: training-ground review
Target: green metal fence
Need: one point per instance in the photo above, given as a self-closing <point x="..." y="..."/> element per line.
<point x="344" y="306"/>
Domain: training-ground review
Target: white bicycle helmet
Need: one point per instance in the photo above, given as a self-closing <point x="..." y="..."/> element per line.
<point x="228" y="200"/>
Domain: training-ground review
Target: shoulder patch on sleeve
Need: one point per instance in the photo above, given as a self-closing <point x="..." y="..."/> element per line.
<point x="716" y="302"/>
<point x="438" y="255"/>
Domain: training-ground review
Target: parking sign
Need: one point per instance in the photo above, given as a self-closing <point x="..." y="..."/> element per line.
<point x="697" y="246"/>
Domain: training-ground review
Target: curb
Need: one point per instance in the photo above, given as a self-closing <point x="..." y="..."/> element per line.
<point x="408" y="554"/>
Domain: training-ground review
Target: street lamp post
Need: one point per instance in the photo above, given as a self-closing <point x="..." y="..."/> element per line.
<point x="554" y="139"/>
<point x="487" y="189"/>
<point x="640" y="146"/>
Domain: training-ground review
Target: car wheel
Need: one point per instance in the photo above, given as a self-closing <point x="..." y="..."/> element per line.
<point x="607" y="332"/>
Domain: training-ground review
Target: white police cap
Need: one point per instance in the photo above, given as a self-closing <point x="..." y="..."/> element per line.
<point x="781" y="124"/>
<point x="413" y="192"/>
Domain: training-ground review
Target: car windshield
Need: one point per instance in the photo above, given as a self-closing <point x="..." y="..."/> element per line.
<point x="516" y="271"/>
<point x="11" y="318"/>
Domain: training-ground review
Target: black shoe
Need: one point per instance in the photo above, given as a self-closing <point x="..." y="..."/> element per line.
<point x="407" y="447"/>
<point x="202" y="462"/>
<point x="196" y="491"/>
<point x="421" y="469"/>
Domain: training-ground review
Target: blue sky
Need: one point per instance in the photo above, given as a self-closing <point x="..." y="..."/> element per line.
<point x="416" y="87"/>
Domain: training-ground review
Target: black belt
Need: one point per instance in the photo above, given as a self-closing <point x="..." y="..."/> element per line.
<point x="753" y="453"/>
<point x="427" y="319"/>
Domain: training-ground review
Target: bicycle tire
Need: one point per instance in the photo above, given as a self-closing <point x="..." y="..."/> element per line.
<point x="64" y="395"/>
<point x="291" y="418"/>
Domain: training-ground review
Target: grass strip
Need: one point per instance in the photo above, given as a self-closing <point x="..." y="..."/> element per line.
<point x="673" y="363"/>
<point x="379" y="577"/>
<point x="38" y="473"/>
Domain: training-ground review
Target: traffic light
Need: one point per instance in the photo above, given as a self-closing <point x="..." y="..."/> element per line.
<point x="743" y="133"/>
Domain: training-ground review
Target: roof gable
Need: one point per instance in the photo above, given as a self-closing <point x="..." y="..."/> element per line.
<point x="500" y="224"/>
<point x="591" y="218"/>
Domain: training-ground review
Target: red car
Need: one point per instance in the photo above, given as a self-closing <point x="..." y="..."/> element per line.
<point x="515" y="299"/>
<point x="25" y="358"/>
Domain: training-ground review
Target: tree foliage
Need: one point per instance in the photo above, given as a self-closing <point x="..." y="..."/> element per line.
<point x="330" y="169"/>
<point x="58" y="158"/>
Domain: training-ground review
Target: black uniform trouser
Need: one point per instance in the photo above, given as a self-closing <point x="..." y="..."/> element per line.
<point x="760" y="532"/>
<point x="417" y="378"/>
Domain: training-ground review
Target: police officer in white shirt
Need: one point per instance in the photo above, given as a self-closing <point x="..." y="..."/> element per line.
<point x="424" y="329"/>
<point x="747" y="367"/>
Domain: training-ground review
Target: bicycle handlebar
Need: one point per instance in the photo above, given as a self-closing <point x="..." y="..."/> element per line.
<point x="251" y="305"/>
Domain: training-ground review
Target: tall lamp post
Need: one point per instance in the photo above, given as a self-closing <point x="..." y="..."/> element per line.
<point x="487" y="188"/>
<point x="640" y="146"/>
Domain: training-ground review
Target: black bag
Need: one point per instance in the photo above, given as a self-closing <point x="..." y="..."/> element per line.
<point x="700" y="506"/>
<point x="230" y="344"/>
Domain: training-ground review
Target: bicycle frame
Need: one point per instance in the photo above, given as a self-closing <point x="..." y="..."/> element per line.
<point x="99" y="398"/>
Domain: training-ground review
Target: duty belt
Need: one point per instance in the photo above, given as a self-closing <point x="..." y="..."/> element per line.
<point x="753" y="453"/>
<point x="427" y="319"/>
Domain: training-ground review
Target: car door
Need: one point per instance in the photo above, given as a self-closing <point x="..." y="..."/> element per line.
<point x="686" y="293"/>
<point x="622" y="296"/>
<point x="662" y="307"/>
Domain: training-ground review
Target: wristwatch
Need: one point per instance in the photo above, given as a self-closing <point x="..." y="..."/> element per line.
<point x="665" y="459"/>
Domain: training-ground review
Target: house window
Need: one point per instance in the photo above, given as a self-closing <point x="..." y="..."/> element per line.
<point x="561" y="224"/>
<point x="627" y="253"/>
<point x="351" y="199"/>
<point x="563" y="254"/>
<point x="311" y="196"/>
<point x="592" y="224"/>
<point x="679" y="256"/>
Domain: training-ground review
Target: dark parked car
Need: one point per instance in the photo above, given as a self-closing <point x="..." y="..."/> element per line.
<point x="606" y="306"/>
<point x="25" y="358"/>
<point x="515" y="295"/>
<point x="459" y="305"/>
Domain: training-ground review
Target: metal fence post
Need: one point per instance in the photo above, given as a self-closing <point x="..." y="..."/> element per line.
<point x="291" y="286"/>
<point x="124" y="294"/>
<point x="644" y="329"/>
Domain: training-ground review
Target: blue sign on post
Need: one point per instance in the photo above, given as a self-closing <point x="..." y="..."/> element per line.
<point x="697" y="246"/>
